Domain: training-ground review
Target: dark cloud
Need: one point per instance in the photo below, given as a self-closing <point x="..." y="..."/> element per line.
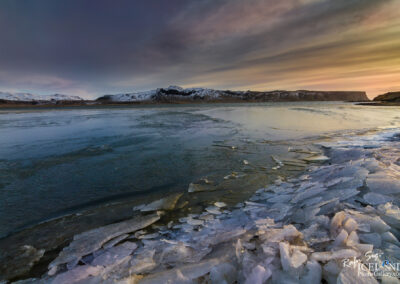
<point x="100" y="46"/>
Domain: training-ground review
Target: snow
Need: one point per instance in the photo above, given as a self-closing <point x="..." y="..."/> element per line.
<point x="27" y="97"/>
<point x="150" y="95"/>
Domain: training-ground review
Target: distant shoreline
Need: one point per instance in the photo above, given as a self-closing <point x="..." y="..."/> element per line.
<point x="11" y="104"/>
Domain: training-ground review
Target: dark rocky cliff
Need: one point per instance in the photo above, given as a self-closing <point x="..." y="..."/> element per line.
<point x="389" y="97"/>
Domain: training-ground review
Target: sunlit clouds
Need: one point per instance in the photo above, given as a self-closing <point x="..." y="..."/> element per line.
<point x="91" y="48"/>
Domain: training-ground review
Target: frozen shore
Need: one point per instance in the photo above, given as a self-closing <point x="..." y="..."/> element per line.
<point x="339" y="222"/>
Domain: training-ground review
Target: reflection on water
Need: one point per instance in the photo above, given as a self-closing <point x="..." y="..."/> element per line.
<point x="58" y="161"/>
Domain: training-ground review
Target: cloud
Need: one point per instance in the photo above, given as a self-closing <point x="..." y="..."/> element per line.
<point x="130" y="45"/>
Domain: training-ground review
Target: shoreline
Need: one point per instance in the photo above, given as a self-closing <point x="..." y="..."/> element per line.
<point x="259" y="241"/>
<point x="149" y="103"/>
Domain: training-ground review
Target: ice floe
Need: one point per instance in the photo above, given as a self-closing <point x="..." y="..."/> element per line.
<point x="327" y="225"/>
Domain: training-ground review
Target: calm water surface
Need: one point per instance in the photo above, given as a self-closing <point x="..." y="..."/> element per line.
<point x="54" y="161"/>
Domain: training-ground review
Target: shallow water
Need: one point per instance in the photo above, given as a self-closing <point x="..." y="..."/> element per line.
<point x="57" y="161"/>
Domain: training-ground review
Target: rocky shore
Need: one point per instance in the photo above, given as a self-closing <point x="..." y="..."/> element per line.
<point x="339" y="222"/>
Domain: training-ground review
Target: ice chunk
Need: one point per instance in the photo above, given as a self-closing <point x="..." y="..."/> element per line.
<point x="280" y="198"/>
<point x="27" y="256"/>
<point x="220" y="204"/>
<point x="166" y="203"/>
<point x="309" y="192"/>
<point x="77" y="274"/>
<point x="291" y="262"/>
<point x="182" y="253"/>
<point x="114" y="255"/>
<point x="148" y="236"/>
<point x="350" y="225"/>
<point x="258" y="275"/>
<point x="376" y="198"/>
<point x="313" y="273"/>
<point x="340" y="239"/>
<point x="389" y="237"/>
<point x="213" y="210"/>
<point x="374" y="222"/>
<point x="199" y="187"/>
<point x="339" y="254"/>
<point x="350" y="275"/>
<point x="316" y="158"/>
<point x="143" y="262"/>
<point x="371" y="238"/>
<point x="90" y="241"/>
<point x="336" y="222"/>
<point x="382" y="184"/>
<point x="115" y="241"/>
<point x="189" y="271"/>
<point x="223" y="273"/>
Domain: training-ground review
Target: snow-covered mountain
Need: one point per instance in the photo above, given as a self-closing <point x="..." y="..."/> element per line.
<point x="153" y="95"/>
<point x="178" y="94"/>
<point x="27" y="97"/>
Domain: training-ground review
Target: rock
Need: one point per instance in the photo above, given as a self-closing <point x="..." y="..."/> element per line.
<point x="27" y="256"/>
<point x="90" y="241"/>
<point x="166" y="203"/>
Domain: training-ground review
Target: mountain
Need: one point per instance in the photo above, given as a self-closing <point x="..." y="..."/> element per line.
<point x="175" y="94"/>
<point x="388" y="97"/>
<point x="27" y="97"/>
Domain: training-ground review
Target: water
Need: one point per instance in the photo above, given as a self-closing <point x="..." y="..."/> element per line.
<point x="58" y="161"/>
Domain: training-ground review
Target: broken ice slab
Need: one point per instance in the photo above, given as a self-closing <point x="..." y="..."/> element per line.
<point x="383" y="184"/>
<point x="197" y="187"/>
<point x="291" y="261"/>
<point x="259" y="274"/>
<point x="90" y="241"/>
<point x="309" y="192"/>
<point x="316" y="158"/>
<point x="77" y="274"/>
<point x="277" y="161"/>
<point x="313" y="273"/>
<point x="181" y="252"/>
<point x="213" y="210"/>
<point x="115" y="241"/>
<point x="114" y="255"/>
<point x="220" y="204"/>
<point x="351" y="274"/>
<point x="376" y="198"/>
<point x="186" y="272"/>
<point x="331" y="255"/>
<point x="166" y="203"/>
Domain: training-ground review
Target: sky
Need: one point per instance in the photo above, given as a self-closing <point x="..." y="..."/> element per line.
<point x="95" y="47"/>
